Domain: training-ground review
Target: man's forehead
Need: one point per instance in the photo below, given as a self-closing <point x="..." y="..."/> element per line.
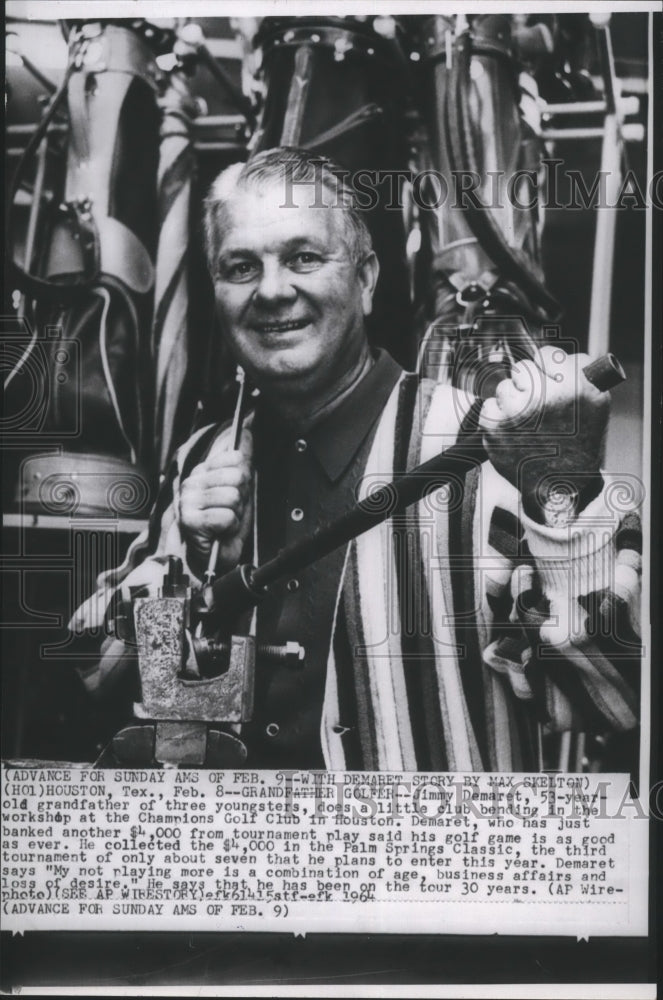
<point x="280" y="207"/>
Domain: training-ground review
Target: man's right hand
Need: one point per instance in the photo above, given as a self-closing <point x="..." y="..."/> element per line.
<point x="216" y="502"/>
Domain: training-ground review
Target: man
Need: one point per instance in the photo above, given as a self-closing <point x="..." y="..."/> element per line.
<point x="425" y="639"/>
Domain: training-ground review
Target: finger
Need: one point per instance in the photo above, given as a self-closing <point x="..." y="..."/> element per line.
<point x="525" y="375"/>
<point x="233" y="475"/>
<point x="238" y="478"/>
<point x="246" y="444"/>
<point x="219" y="520"/>
<point x="218" y="473"/>
<point x="221" y="496"/>
<point x="506" y="393"/>
<point x="221" y="459"/>
<point x="198" y="472"/>
<point x="497" y="412"/>
<point x="211" y="521"/>
<point x="222" y="444"/>
<point x="491" y="417"/>
<point x="513" y="403"/>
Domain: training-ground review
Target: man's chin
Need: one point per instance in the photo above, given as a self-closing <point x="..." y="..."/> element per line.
<point x="284" y="369"/>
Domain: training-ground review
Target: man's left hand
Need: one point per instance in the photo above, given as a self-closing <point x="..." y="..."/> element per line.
<point x="546" y="426"/>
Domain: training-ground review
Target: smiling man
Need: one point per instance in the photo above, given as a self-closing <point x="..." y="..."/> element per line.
<point x="293" y="285"/>
<point x="441" y="640"/>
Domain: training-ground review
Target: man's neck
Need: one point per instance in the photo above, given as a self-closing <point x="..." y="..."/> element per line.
<point x="304" y="410"/>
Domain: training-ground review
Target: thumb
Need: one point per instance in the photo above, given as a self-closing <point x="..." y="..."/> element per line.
<point x="223" y="444"/>
<point x="246" y="444"/>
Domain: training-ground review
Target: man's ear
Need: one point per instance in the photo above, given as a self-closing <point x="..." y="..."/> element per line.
<point x="369" y="270"/>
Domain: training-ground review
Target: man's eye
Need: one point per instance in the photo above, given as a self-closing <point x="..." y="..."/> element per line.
<point x="241" y="270"/>
<point x="305" y="260"/>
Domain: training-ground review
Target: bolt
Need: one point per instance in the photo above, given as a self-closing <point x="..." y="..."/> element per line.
<point x="290" y="652"/>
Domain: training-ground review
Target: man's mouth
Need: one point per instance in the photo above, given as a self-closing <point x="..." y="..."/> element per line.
<point x="280" y="326"/>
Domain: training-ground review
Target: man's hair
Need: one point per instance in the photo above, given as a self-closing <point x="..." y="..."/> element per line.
<point x="291" y="166"/>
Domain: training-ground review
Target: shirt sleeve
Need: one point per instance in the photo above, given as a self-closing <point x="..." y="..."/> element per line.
<point x="144" y="566"/>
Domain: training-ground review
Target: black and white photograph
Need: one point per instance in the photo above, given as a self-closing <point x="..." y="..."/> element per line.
<point x="330" y="343"/>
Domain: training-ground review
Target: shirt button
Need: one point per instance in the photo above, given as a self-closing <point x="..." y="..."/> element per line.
<point x="297" y="514"/>
<point x="301" y="444"/>
<point x="293" y="585"/>
<point x="272" y="729"/>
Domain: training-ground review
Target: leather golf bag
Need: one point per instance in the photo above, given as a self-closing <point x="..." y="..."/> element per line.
<point x="479" y="279"/>
<point x="92" y="284"/>
<point x="337" y="86"/>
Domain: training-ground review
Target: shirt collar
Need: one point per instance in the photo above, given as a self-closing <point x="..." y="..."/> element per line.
<point x="336" y="439"/>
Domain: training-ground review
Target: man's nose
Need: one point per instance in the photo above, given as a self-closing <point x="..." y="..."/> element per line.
<point x="275" y="284"/>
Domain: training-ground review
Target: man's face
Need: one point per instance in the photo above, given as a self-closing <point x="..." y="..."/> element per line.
<point x="290" y="299"/>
